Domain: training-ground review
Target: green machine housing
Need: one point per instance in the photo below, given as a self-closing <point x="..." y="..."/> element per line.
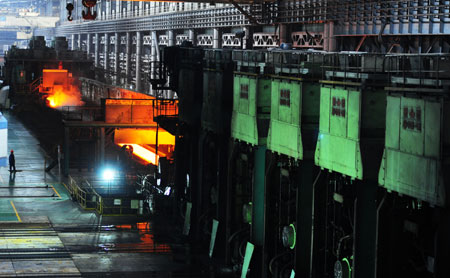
<point x="251" y="108"/>
<point x="352" y="109"/>
<point x="414" y="159"/>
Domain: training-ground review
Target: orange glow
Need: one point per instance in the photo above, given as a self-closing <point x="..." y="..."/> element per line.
<point x="144" y="153"/>
<point x="133" y="95"/>
<point x="59" y="97"/>
<point x="143" y="136"/>
<point x="55" y="70"/>
<point x="58" y="89"/>
<point x="146" y="244"/>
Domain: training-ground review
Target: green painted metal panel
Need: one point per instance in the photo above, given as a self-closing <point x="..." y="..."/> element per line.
<point x="285" y="120"/>
<point x="339" y="154"/>
<point x="354" y="119"/>
<point x="432" y="127"/>
<point x="264" y="95"/>
<point x="338" y="144"/>
<point x="310" y="102"/>
<point x="247" y="258"/>
<point x="338" y="124"/>
<point x="212" y="242"/>
<point x="412" y="175"/>
<point x="187" y="219"/>
<point x="324" y="120"/>
<point x="243" y="119"/>
<point x="412" y="162"/>
<point x="251" y="109"/>
<point x="393" y="125"/>
<point x="411" y="139"/>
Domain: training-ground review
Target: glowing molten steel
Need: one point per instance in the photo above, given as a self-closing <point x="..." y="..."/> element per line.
<point x="144" y="153"/>
<point x="58" y="88"/>
<point x="62" y="98"/>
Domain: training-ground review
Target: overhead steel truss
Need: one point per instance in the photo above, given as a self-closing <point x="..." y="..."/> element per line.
<point x="351" y="17"/>
<point x="209" y="18"/>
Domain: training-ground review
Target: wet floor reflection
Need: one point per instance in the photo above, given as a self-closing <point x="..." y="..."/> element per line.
<point x="145" y="244"/>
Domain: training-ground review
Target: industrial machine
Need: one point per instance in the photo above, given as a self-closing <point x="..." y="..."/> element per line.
<point x="312" y="175"/>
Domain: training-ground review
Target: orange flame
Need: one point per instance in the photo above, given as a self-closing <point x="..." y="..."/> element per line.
<point x="60" y="97"/>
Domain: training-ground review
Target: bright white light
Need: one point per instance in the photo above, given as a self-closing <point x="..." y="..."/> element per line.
<point x="167" y="191"/>
<point x="109" y="174"/>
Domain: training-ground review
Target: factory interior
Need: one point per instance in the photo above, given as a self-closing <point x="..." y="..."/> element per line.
<point x="225" y="138"/>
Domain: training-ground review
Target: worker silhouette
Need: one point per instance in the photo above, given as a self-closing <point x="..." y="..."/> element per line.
<point x="12" y="162"/>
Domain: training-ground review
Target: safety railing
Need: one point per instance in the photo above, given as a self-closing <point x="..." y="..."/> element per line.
<point x="302" y="64"/>
<point x="421" y="70"/>
<point x="165" y="107"/>
<point x="72" y="187"/>
<point x="353" y="66"/>
<point x="34" y="86"/>
<point x="114" y="206"/>
<point x="94" y="197"/>
<point x="83" y="193"/>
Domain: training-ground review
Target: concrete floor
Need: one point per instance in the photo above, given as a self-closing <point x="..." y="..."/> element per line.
<point x="44" y="233"/>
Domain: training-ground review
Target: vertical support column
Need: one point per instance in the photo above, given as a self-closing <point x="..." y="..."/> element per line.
<point x="102" y="146"/>
<point x="99" y="9"/>
<point x="153" y="55"/>
<point x="198" y="199"/>
<point x="305" y="210"/>
<point x="192" y="36"/>
<point x="127" y="60"/>
<point x="365" y="228"/>
<point x="247" y="39"/>
<point x="326" y="36"/>
<point x="66" y="150"/>
<point x="96" y="54"/>
<point x="141" y="8"/>
<point x="116" y="57"/>
<point x="329" y="40"/>
<point x="171" y="36"/>
<point x="72" y="42"/>
<point x="79" y="42"/>
<point x="258" y="229"/>
<point x="129" y="9"/>
<point x="119" y="9"/>
<point x="282" y="33"/>
<point x="108" y="9"/>
<point x="257" y="233"/>
<point x="216" y="38"/>
<point x="88" y="44"/>
<point x="138" y="59"/>
<point x="106" y="61"/>
<point x="222" y="199"/>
